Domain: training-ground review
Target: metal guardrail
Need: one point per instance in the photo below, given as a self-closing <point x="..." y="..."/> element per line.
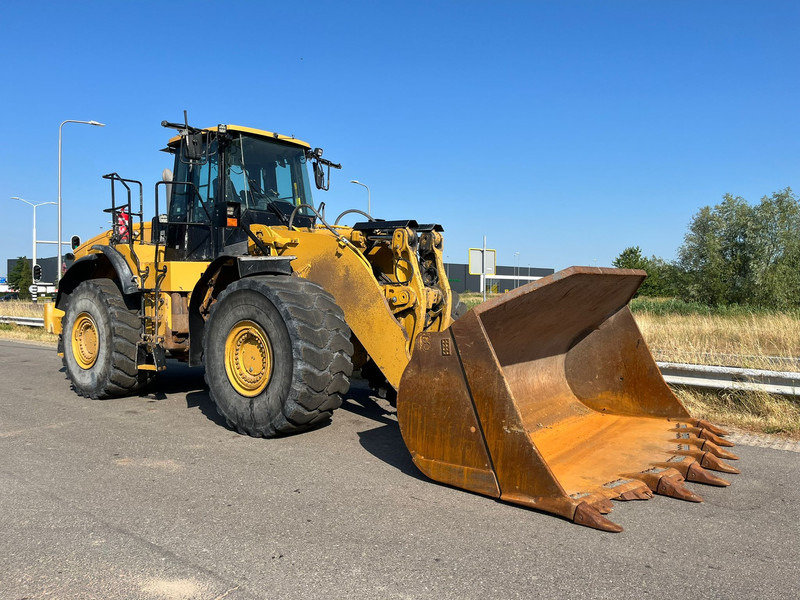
<point x="773" y="363"/>
<point x="785" y="383"/>
<point x="29" y="321"/>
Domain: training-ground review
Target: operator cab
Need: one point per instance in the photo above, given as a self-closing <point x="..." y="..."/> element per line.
<point x="262" y="175"/>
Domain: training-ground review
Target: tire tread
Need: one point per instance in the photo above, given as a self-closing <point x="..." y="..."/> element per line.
<point x="321" y="348"/>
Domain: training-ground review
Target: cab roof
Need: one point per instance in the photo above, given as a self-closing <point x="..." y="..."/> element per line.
<point x="251" y="131"/>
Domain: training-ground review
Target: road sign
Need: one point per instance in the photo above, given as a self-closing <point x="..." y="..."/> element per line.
<point x="476" y="264"/>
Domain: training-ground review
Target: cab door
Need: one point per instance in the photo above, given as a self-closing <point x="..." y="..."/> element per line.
<point x="190" y="231"/>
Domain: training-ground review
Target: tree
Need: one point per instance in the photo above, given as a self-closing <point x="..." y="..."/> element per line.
<point x="735" y="253"/>
<point x="665" y="279"/>
<point x="630" y="258"/>
<point x="717" y="254"/>
<point x="662" y="277"/>
<point x="776" y="261"/>
<point x="20" y="278"/>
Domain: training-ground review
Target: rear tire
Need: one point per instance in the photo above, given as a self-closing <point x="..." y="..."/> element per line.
<point x="277" y="354"/>
<point x="100" y="336"/>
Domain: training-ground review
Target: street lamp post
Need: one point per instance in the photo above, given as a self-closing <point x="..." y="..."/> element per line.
<point x="58" y="249"/>
<point x="33" y="263"/>
<point x="516" y="270"/>
<point x="369" y="200"/>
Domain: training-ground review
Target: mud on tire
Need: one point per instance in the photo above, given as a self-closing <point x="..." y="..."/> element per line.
<point x="99" y="338"/>
<point x="277" y="355"/>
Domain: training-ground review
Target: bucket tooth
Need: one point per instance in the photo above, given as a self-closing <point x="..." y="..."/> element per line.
<point x="717" y="451"/>
<point x="684" y="432"/>
<point x="691" y="470"/>
<point x="698" y="474"/>
<point x="589" y="516"/>
<point x="680" y="463"/>
<point x="710" y="461"/>
<point x="638" y="494"/>
<point x="707" y="460"/>
<point x="703" y="424"/>
<point x="672" y="487"/>
<point x="713" y="438"/>
<point x="652" y="477"/>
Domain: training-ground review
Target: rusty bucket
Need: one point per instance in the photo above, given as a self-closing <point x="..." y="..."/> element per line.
<point x="549" y="398"/>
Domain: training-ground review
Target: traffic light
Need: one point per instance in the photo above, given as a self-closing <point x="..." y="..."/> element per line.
<point x="37" y="273"/>
<point x="75" y="241"/>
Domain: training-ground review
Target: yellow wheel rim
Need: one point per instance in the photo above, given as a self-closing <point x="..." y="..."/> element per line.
<point x="248" y="358"/>
<point x="85" y="341"/>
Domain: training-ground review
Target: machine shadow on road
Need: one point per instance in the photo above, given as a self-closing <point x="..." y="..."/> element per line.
<point x="385" y="442"/>
<point x="180" y="378"/>
<point x="202" y="401"/>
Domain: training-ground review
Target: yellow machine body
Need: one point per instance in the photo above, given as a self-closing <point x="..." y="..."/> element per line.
<point x="547" y="396"/>
<point x="385" y="318"/>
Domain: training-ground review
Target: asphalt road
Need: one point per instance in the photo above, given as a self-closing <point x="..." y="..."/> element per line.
<point x="152" y="497"/>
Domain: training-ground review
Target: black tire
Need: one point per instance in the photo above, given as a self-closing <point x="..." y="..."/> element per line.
<point x="112" y="331"/>
<point x="308" y="348"/>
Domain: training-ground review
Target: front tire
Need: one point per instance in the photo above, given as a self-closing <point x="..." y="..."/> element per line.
<point x="277" y="354"/>
<point x="100" y="336"/>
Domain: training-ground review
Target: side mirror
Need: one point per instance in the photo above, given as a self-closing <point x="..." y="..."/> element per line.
<point x="319" y="176"/>
<point x="158" y="229"/>
<point x="193" y="146"/>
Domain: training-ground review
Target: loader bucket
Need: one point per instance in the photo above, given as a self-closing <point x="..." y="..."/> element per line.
<point x="549" y="398"/>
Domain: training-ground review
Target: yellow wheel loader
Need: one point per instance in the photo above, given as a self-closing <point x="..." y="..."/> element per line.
<point x="545" y="397"/>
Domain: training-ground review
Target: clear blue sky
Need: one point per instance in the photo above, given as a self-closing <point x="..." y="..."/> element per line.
<point x="565" y="131"/>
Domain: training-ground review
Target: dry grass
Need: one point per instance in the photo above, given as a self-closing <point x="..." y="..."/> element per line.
<point x="750" y="411"/>
<point x="756" y="341"/>
<point x="27" y="334"/>
<point x="19" y="308"/>
<point x="751" y="340"/>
